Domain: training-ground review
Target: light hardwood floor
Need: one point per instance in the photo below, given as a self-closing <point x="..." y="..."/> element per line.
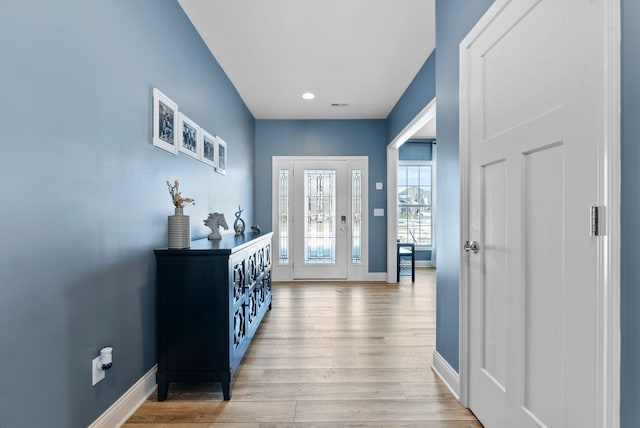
<point x="329" y="354"/>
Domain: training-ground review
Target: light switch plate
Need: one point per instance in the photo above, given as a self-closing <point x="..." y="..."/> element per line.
<point x="378" y="212"/>
<point x="379" y="185"/>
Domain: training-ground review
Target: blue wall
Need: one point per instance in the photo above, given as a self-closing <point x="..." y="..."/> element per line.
<point x="418" y="94"/>
<point x="630" y="269"/>
<point x="415" y="150"/>
<point x="83" y="196"/>
<point x="325" y="138"/>
<point x="454" y="19"/>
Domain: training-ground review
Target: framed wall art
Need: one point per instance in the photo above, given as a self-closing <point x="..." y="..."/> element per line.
<point x="165" y="122"/>
<point x="208" y="148"/>
<point x="189" y="141"/>
<point x="221" y="156"/>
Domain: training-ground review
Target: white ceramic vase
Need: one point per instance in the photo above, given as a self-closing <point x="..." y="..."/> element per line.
<point x="179" y="230"/>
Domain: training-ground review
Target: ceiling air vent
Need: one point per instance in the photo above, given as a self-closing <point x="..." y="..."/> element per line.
<point x="339" y="105"/>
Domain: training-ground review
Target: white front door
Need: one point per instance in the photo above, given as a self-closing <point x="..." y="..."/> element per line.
<point x="321" y="219"/>
<point x="532" y="127"/>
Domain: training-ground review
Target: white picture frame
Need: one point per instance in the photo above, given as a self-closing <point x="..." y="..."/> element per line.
<point x="189" y="141"/>
<point x="165" y="122"/>
<point x="221" y="156"/>
<point x="207" y="155"/>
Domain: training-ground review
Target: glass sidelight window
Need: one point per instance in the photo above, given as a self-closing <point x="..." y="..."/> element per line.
<point x="356" y="216"/>
<point x="283" y="215"/>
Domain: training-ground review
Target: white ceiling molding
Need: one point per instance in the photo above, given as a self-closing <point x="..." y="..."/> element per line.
<point x="423" y="120"/>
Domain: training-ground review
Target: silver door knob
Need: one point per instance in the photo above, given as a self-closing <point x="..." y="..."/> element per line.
<point x="471" y="246"/>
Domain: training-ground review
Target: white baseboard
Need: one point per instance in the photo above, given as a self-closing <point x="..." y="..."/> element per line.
<point x="125" y="406"/>
<point x="448" y="375"/>
<point x="369" y="276"/>
<point x="376" y="276"/>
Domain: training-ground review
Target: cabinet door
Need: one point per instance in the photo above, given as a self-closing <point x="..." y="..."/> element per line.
<point x="237" y="300"/>
<point x="258" y="291"/>
<point x="239" y="326"/>
<point x="238" y="279"/>
<point x="252" y="268"/>
<point x="267" y="255"/>
<point x="253" y="275"/>
<point x="266" y="279"/>
<point x="252" y="307"/>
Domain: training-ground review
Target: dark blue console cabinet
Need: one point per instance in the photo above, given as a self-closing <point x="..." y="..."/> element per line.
<point x="211" y="299"/>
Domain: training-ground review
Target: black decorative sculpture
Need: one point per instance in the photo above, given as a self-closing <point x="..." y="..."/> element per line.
<point x="239" y="225"/>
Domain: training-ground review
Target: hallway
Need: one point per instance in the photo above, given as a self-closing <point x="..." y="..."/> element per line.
<point x="329" y="355"/>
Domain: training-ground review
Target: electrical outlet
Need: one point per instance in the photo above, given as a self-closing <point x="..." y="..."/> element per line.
<point x="97" y="374"/>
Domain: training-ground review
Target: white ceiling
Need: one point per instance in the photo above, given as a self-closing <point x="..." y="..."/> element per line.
<point x="363" y="53"/>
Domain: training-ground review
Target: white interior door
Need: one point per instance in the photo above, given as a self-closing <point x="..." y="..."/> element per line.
<point x="532" y="85"/>
<point x="321" y="219"/>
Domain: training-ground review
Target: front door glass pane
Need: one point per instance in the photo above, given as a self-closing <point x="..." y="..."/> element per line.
<point x="319" y="216"/>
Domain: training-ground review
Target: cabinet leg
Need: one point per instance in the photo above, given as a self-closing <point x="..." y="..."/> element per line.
<point x="225" y="380"/>
<point x="163" y="387"/>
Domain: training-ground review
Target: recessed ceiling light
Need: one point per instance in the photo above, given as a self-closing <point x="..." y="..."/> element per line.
<point x="308" y="96"/>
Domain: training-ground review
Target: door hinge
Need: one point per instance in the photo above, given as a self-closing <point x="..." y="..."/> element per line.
<point x="595" y="221"/>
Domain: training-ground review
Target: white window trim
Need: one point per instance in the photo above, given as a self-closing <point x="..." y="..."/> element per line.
<point x="431" y="164"/>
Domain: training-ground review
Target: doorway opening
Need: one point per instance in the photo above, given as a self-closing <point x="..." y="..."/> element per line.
<point x="320" y="217"/>
<point x="423" y="126"/>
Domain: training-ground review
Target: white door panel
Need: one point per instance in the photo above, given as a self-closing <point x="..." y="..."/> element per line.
<point x="543" y="283"/>
<point x="321" y="219"/>
<point x="532" y="119"/>
<point x="494" y="285"/>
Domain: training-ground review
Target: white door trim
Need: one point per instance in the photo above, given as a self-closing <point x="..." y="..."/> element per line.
<point x="609" y="270"/>
<point x="392" y="211"/>
<point x="427" y="114"/>
<point x="611" y="200"/>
